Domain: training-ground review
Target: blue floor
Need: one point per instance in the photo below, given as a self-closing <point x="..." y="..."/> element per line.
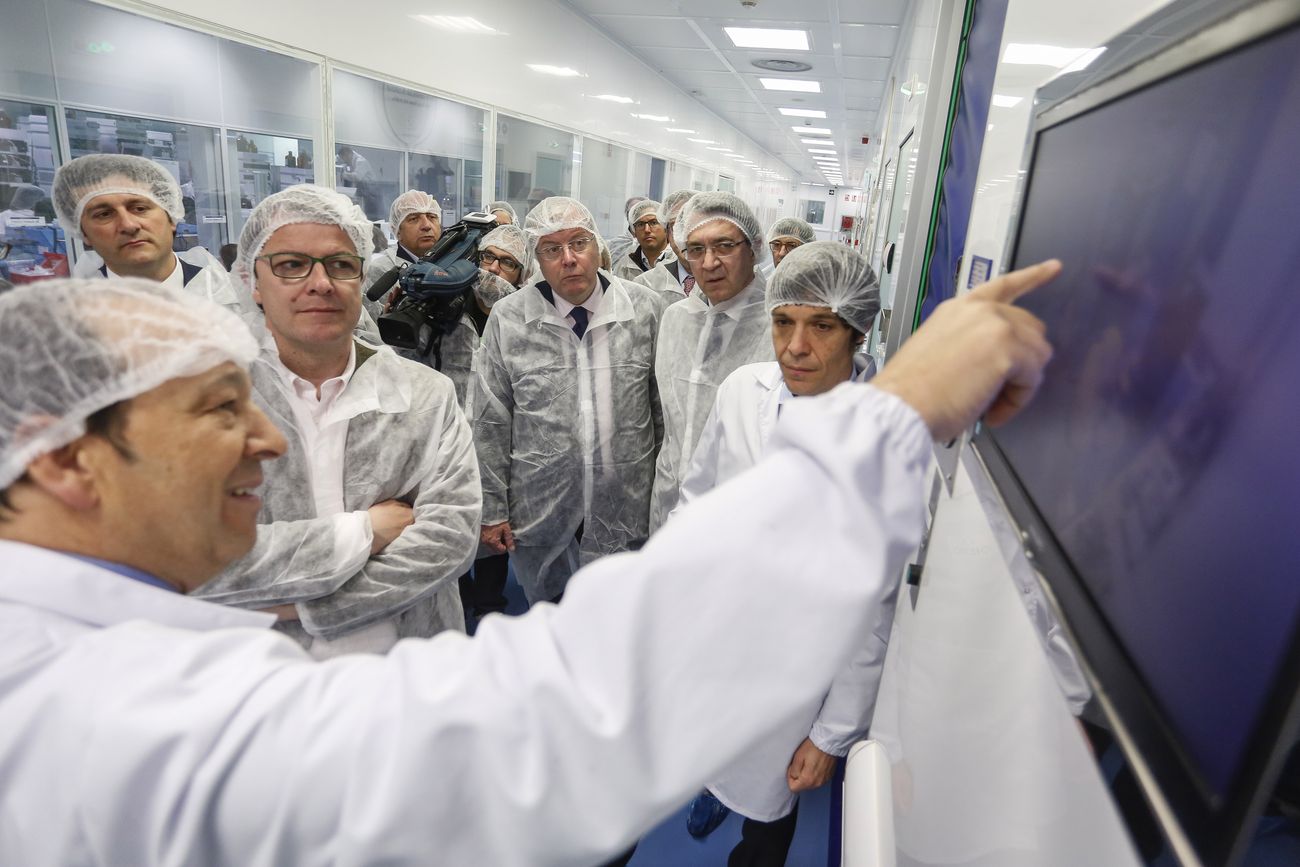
<point x="670" y="846"/>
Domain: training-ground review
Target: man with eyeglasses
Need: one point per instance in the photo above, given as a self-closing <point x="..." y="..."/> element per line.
<point x="126" y="208"/>
<point x="786" y="234"/>
<point x="671" y="279"/>
<point x="373" y="512"/>
<point x="651" y="238"/>
<point x="566" y="421"/>
<point x="703" y="338"/>
<point x="416" y="218"/>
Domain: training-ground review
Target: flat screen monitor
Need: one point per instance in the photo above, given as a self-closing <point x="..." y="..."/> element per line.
<point x="1156" y="476"/>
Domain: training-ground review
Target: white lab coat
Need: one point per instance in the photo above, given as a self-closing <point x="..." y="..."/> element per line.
<point x="662" y="280"/>
<point x="734" y="439"/>
<point x="627" y="268"/>
<point x="139" y="727"/>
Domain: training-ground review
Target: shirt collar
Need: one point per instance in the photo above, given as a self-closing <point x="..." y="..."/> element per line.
<point x="81" y="590"/>
<point x="127" y="572"/>
<point x="174" y="280"/>
<point x="564" y="308"/>
<point x="329" y="389"/>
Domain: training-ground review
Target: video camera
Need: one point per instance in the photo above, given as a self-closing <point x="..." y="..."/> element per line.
<point x="434" y="290"/>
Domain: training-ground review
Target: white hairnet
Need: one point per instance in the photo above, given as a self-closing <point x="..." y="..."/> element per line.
<point x="791" y="227"/>
<point x="512" y="239"/>
<point x="413" y="202"/>
<point x="504" y="206"/>
<point x="641" y="208"/>
<point x="491" y="288"/>
<point x="827" y="274"/>
<point x="673" y="204"/>
<point x="304" y="203"/>
<point x="558" y="214"/>
<point x="706" y="207"/>
<point x="69" y="348"/>
<point x="81" y="180"/>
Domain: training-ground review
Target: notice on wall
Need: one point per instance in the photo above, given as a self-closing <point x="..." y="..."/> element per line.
<point x="214" y="218"/>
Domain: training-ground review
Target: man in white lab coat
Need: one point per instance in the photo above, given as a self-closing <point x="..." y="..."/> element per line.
<point x="820" y="304"/>
<point x="144" y="727"/>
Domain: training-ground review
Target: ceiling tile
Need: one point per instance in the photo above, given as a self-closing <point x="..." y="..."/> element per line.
<point x="868" y="41"/>
<point x="669" y="60"/>
<point x="876" y="12"/>
<point x="873" y="68"/>
<point x="650" y="32"/>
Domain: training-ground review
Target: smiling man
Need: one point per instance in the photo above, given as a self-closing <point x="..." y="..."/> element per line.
<point x="821" y="303"/>
<point x="126" y="209"/>
<point x="567" y="421"/>
<point x="374" y="511"/>
<point x="708" y="335"/>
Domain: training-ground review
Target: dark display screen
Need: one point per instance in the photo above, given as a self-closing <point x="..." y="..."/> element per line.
<point x="1163" y="451"/>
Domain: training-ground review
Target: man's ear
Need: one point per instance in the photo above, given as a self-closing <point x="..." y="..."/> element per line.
<point x="68" y="474"/>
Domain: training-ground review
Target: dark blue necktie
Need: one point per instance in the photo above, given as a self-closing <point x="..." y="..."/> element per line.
<point x="579" y="315"/>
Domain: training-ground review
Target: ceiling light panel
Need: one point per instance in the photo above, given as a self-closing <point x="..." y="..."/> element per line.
<point x="763" y="37"/>
<point x="821" y="151"/>
<point x="795" y="85"/>
<point x="824" y="141"/>
<point x="802" y="112"/>
<point x="811" y="130"/>
<point x="1035" y="54"/>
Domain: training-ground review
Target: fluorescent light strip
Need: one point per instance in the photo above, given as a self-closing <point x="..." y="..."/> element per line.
<point x="562" y="71"/>
<point x="702" y="140"/>
<point x="802" y="112"/>
<point x="724" y="150"/>
<point x="458" y="24"/>
<point x="811" y="130"/>
<point x="1035" y="54"/>
<point x="825" y="141"/>
<point x="687" y="131"/>
<point x="767" y="37"/>
<point x="609" y="97"/>
<point x="822" y="151"/>
<point x="658" y="118"/>
<point x="792" y="85"/>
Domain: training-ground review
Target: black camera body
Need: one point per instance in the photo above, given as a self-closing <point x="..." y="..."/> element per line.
<point x="434" y="290"/>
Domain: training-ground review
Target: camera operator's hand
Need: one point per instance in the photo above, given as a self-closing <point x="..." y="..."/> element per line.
<point x="975" y="354"/>
<point x="388" y="519"/>
<point x="499" y="537"/>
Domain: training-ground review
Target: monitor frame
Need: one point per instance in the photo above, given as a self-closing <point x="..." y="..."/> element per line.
<point x="1202" y="828"/>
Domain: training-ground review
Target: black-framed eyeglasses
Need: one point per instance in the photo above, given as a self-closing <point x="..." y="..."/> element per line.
<point x="489" y="258"/>
<point x="784" y="246"/>
<point x="296" y="266"/>
<point x="650" y="223"/>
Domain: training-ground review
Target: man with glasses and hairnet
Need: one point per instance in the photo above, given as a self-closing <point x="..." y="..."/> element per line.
<point x="373" y="513"/>
<point x="143" y="726"/>
<point x="125" y="208"/>
<point x="671" y="279"/>
<point x="720" y="327"/>
<point x="651" y="241"/>
<point x="786" y="234"/>
<point x="566" y="419"/>
<point x="820" y="305"/>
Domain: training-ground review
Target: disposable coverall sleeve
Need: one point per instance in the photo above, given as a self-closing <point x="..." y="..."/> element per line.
<point x="493" y="424"/>
<point x="294" y="561"/>
<point x="438" y="547"/>
<point x="575" y="727"/>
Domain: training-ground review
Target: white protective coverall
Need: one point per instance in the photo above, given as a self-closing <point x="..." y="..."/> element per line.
<point x="734" y="438"/>
<point x="627" y="268"/>
<point x="699" y="345"/>
<point x="406" y="439"/>
<point x="663" y="281"/>
<point x="213" y="281"/>
<point x="566" y="429"/>
<point x="141" y="727"/>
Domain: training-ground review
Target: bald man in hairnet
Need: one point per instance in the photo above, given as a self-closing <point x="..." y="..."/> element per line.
<point x="566" y="418"/>
<point x="373" y="513"/>
<point x="145" y="727"/>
